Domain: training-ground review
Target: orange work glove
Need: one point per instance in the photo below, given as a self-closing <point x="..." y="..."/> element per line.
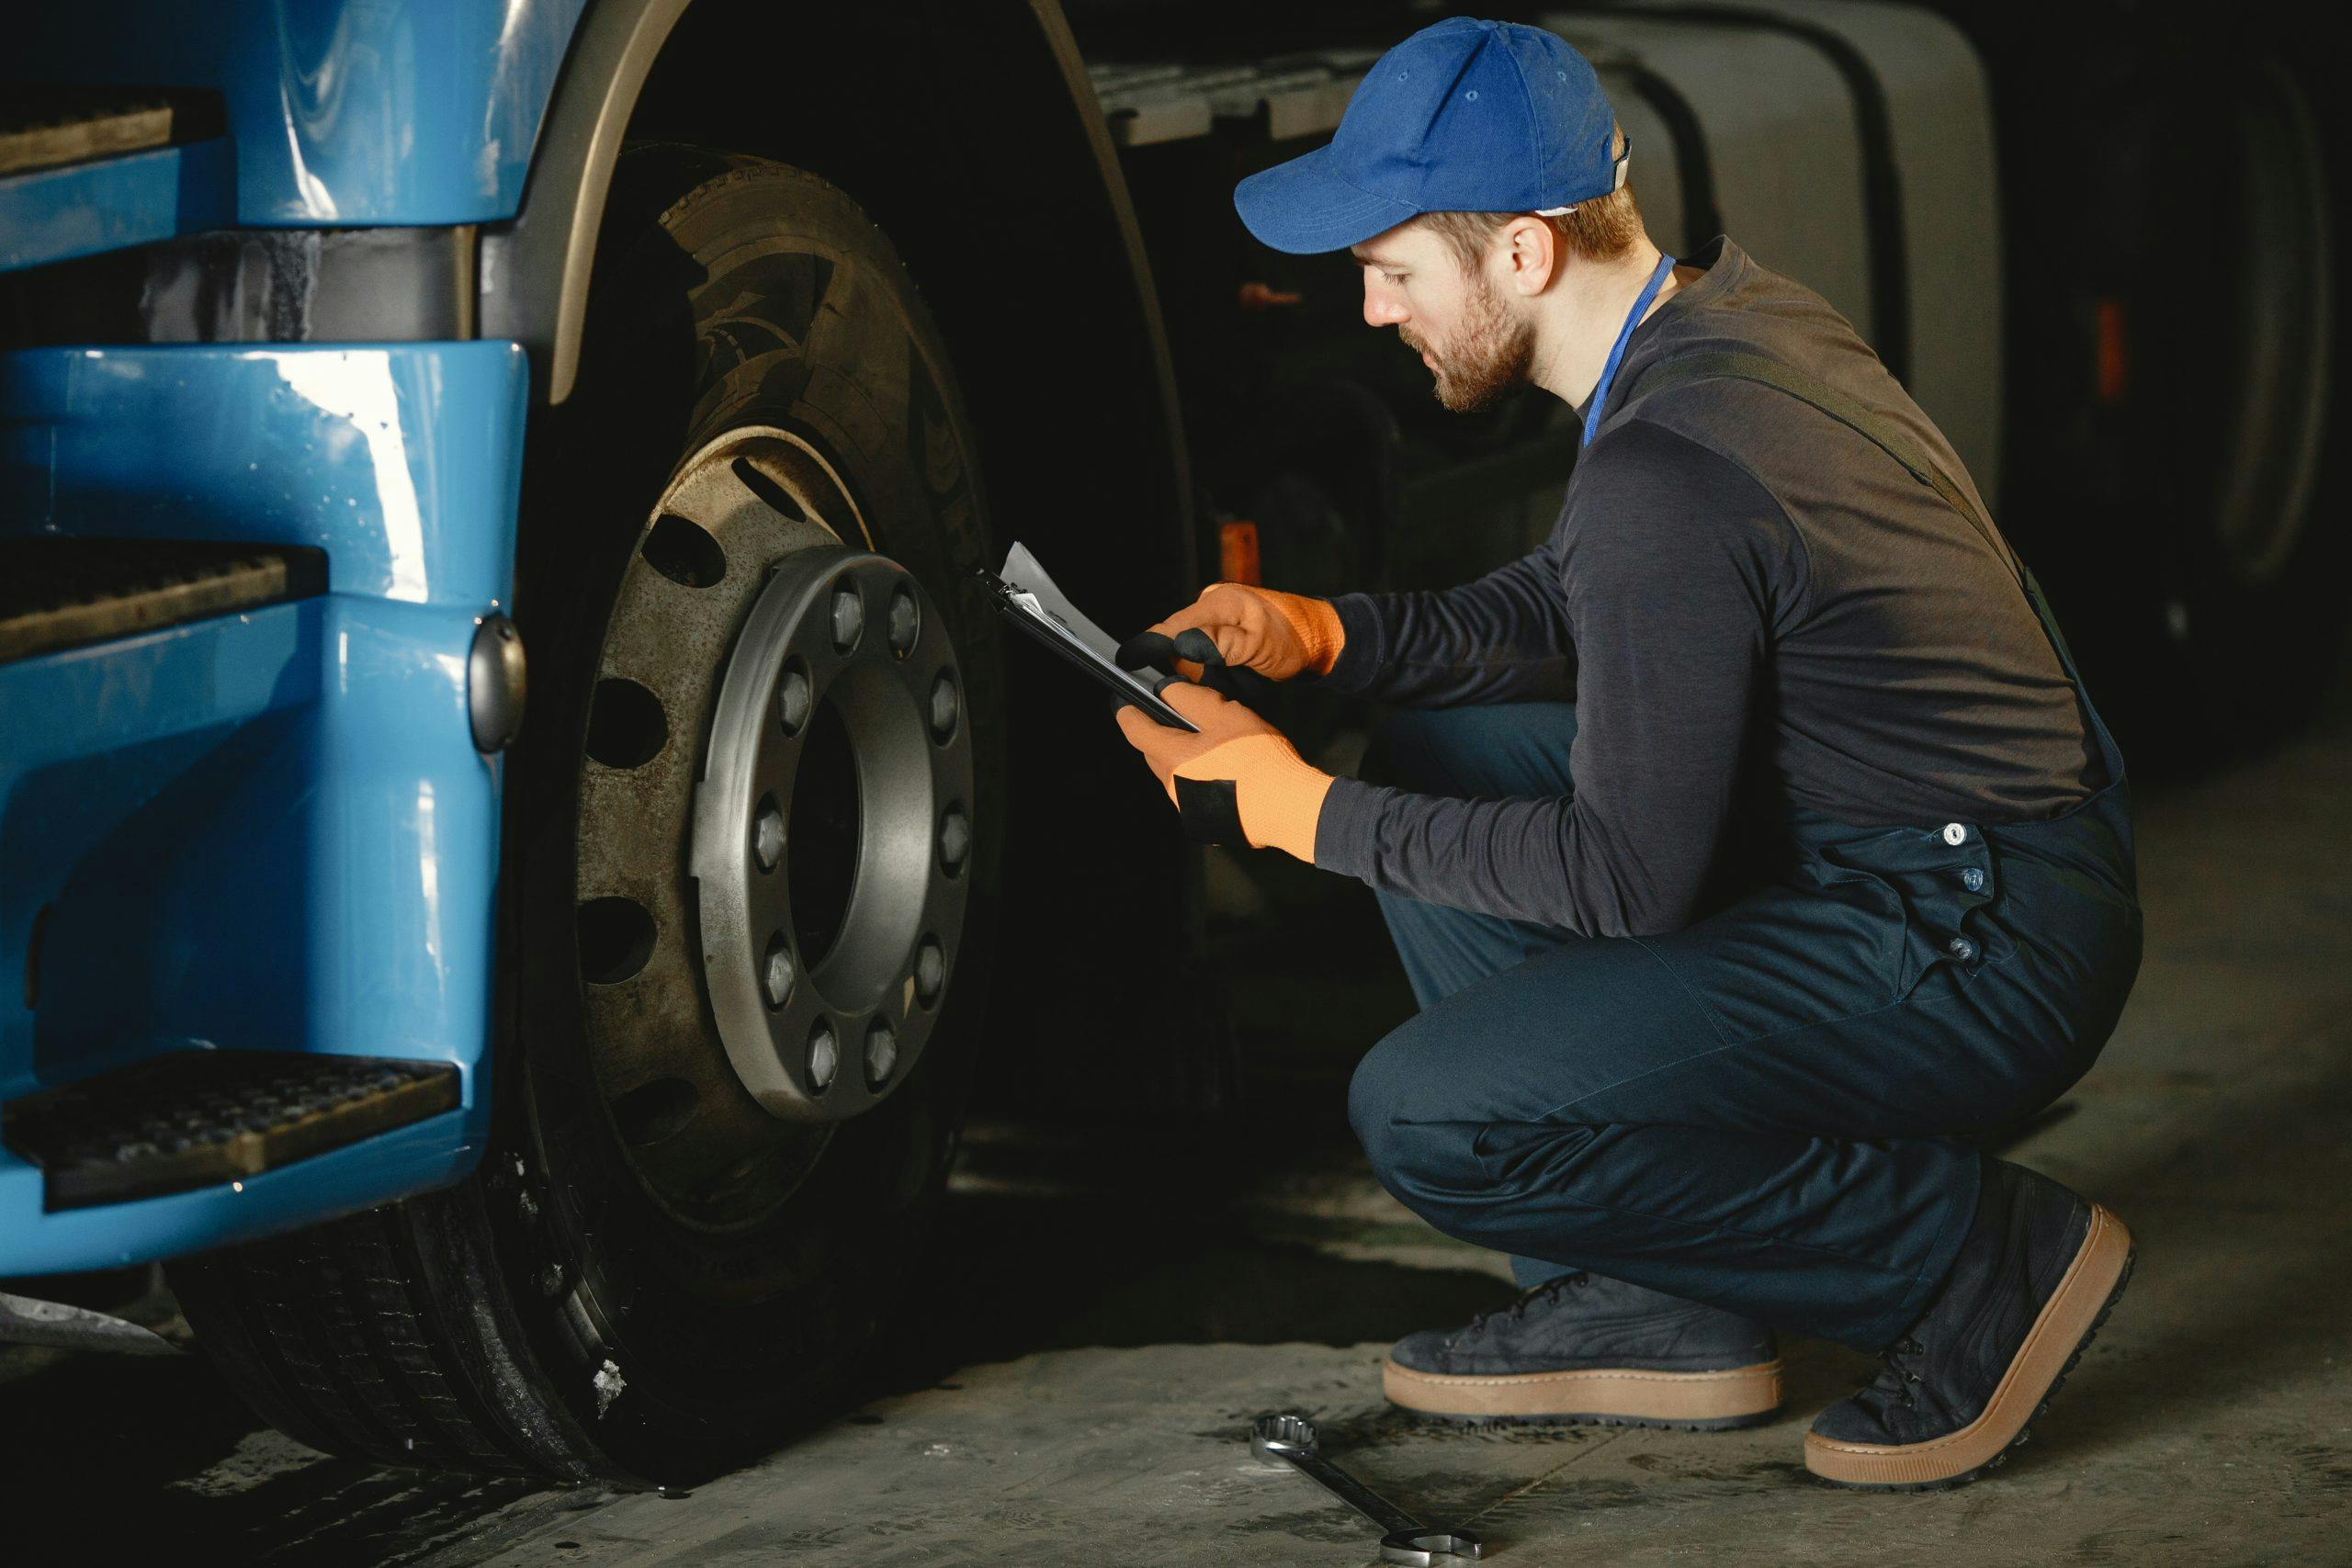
<point x="1278" y="635"/>
<point x="1240" y="776"/>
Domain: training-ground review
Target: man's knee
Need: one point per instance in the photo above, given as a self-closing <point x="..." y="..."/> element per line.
<point x="1397" y="1106"/>
<point x="1436" y="1155"/>
<point x="1377" y="1096"/>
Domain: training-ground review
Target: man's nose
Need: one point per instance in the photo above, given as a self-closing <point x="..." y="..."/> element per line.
<point x="1382" y="307"/>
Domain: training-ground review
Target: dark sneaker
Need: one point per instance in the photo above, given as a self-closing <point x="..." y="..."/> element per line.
<point x="1582" y="1347"/>
<point x="2039" y="1273"/>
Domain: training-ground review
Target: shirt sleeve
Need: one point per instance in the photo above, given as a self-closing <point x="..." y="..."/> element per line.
<point x="1503" y="638"/>
<point x="1677" y="567"/>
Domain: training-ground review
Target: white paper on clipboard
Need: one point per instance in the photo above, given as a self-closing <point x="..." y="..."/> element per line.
<point x="1032" y="591"/>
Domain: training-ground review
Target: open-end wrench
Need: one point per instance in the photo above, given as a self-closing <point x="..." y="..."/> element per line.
<point x="1292" y="1437"/>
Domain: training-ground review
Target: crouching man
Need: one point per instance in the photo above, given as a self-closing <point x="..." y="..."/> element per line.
<point x="1826" y="867"/>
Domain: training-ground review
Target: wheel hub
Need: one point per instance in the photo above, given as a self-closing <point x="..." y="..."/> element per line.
<point x="831" y="829"/>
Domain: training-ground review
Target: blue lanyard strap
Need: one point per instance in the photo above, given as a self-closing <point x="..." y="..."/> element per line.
<point x="1617" y="351"/>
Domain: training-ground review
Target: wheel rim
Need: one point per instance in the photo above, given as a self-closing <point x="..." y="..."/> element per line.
<point x="2271" y="448"/>
<point x="695" y="794"/>
<point x="825" y="979"/>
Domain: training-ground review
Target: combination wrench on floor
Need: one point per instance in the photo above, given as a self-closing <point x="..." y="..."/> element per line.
<point x="1290" y="1438"/>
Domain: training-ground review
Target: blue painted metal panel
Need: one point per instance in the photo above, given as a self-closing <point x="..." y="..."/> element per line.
<point x="268" y="830"/>
<point x="343" y="112"/>
<point x="387" y="456"/>
<point x="53" y="215"/>
<point x="151" y="801"/>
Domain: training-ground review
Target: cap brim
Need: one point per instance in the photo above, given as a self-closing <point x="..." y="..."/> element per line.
<point x="1304" y="207"/>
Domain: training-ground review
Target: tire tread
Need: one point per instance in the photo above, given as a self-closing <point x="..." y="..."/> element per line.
<point x="326" y="1332"/>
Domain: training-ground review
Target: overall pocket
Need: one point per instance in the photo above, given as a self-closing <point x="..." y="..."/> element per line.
<point x="1938" y="887"/>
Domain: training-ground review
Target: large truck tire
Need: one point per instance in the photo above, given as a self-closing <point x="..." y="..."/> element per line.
<point x="700" y="1201"/>
<point x="2257" y="590"/>
<point x="2175" y="208"/>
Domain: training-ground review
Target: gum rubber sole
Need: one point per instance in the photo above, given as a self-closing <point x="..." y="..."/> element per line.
<point x="1430" y="1419"/>
<point x="2067" y="1323"/>
<point x="1607" y="1396"/>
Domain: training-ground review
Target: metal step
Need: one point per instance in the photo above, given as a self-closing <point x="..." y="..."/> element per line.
<point x="199" y="1118"/>
<point x="56" y="594"/>
<point x="85" y="170"/>
<point x="43" y="128"/>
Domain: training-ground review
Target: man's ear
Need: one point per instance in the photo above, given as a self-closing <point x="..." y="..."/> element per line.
<point x="1531" y="254"/>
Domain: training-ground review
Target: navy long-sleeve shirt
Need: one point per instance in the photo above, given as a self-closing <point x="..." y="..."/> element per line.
<point x="1747" y="600"/>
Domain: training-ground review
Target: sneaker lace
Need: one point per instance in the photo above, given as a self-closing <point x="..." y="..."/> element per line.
<point x="1546" y="1292"/>
<point x="1898" y="1374"/>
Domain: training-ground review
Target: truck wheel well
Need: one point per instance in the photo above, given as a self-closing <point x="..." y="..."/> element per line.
<point x="971" y="137"/>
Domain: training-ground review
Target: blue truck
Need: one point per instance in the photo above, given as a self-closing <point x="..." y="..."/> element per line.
<point x="517" y="843"/>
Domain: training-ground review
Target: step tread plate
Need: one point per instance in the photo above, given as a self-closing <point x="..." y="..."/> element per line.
<point x="56" y="594"/>
<point x="192" y="1119"/>
<point x="46" y="127"/>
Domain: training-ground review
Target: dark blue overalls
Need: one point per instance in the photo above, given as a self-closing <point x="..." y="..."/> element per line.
<point x="1771" y="1109"/>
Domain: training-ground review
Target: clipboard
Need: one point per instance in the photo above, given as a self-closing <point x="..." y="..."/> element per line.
<point x="1027" y="598"/>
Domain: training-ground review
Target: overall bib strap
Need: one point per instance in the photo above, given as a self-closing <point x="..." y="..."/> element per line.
<point x="1896" y="444"/>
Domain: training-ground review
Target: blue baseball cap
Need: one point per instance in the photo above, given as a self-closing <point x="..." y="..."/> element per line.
<point x="1465" y="115"/>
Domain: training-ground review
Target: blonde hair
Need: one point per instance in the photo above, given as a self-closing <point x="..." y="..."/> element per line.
<point x="1600" y="229"/>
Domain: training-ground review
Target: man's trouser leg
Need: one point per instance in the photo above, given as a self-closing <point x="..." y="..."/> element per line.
<point x="1759" y="1111"/>
<point x="1504" y="750"/>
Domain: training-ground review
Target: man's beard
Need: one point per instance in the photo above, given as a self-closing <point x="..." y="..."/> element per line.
<point x="1489" y="356"/>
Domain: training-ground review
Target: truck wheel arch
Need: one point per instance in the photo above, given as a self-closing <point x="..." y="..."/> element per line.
<point x="641" y="65"/>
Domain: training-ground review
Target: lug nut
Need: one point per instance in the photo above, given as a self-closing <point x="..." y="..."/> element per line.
<point x="943" y="708"/>
<point x="824" y="1055"/>
<point x="778" y="972"/>
<point x="849" y="618"/>
<point x="955" y="839"/>
<point x="881" y="1050"/>
<point x="906" y="620"/>
<point x="793" y="696"/>
<point x="767" y="835"/>
<point x="931" y="970"/>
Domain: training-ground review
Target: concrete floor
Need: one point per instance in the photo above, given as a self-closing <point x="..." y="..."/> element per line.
<point x="1112" y="1307"/>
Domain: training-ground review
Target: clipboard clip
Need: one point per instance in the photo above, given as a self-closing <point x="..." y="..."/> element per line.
<point x="1042" y="613"/>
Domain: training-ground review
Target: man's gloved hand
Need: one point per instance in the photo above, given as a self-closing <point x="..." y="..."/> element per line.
<point x="1240" y="777"/>
<point x="1278" y="635"/>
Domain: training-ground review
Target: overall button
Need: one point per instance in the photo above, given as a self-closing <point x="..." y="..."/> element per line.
<point x="1954" y="833"/>
<point x="1962" y="948"/>
<point x="1973" y="879"/>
